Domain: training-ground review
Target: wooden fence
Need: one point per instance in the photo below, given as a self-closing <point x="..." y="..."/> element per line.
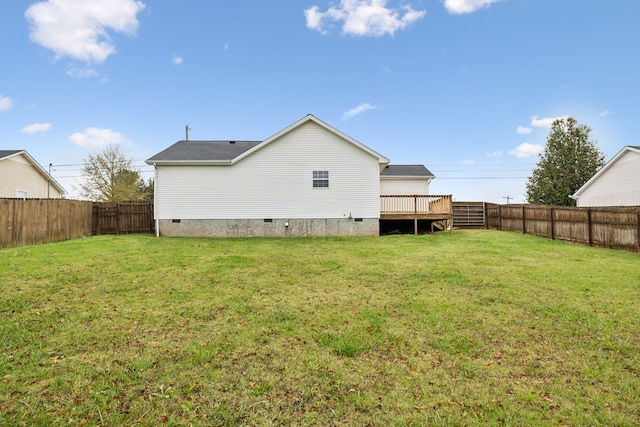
<point x="616" y="228"/>
<point x="468" y="215"/>
<point x="37" y="221"/>
<point x="123" y="218"/>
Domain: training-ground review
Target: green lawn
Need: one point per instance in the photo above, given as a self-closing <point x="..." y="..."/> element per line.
<point x="474" y="328"/>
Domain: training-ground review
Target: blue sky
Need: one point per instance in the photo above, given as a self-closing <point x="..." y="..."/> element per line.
<point x="465" y="87"/>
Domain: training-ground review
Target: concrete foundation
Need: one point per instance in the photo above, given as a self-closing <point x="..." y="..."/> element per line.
<point x="268" y="228"/>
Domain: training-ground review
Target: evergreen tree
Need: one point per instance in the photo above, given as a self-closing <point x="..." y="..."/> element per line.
<point x="569" y="159"/>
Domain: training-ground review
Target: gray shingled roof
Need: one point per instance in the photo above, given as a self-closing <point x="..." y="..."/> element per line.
<point x="407" y="170"/>
<point x="7" y="153"/>
<point x="194" y="151"/>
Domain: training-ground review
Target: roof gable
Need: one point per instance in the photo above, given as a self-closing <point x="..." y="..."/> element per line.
<point x="312" y="118"/>
<point x="7" y="154"/>
<point x="607" y="166"/>
<point x="230" y="152"/>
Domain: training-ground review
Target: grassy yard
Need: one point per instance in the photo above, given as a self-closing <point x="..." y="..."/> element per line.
<point x="474" y="328"/>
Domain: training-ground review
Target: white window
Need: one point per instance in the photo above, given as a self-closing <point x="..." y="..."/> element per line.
<point x="320" y="179"/>
<point x="22" y="194"/>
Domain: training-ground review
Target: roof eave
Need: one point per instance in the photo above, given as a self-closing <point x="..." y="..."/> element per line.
<point x="40" y="169"/>
<point x="309" y="117"/>
<point x="188" y="162"/>
<point x="602" y="170"/>
<point x="407" y="176"/>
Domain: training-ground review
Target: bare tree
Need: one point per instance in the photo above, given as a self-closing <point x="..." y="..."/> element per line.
<point x="111" y="177"/>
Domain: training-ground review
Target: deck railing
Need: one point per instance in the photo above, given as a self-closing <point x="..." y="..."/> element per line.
<point x="416" y="205"/>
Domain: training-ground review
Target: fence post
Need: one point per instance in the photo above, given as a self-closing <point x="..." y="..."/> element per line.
<point x="117" y="218"/>
<point x="589" y="225"/>
<point x="553" y="237"/>
<point x="451" y="213"/>
<point x="500" y="217"/>
<point x="638" y="236"/>
<point x="524" y="220"/>
<point x="484" y="216"/>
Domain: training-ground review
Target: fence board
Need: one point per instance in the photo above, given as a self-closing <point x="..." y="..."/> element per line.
<point x="469" y="215"/>
<point x="37" y="221"/>
<point x="617" y="228"/>
<point x="123" y="218"/>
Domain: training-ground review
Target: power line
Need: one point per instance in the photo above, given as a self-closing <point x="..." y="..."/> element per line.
<point x="481" y="164"/>
<point x="482" y="177"/>
<point x="482" y="170"/>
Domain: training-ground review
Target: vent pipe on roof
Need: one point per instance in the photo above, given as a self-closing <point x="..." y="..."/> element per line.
<point x="186" y="131"/>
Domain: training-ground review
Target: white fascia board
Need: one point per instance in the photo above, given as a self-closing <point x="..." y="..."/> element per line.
<point x="39" y="168"/>
<point x="405" y="177"/>
<point x="382" y="160"/>
<point x="189" y="162"/>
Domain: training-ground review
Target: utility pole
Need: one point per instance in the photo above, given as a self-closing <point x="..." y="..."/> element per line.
<point x="508" y="198"/>
<point x="49" y="182"/>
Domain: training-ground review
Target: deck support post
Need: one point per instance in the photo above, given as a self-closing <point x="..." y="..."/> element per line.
<point x="415" y="226"/>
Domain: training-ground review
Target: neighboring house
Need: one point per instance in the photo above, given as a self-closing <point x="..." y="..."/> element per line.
<point x="22" y="177"/>
<point x="616" y="184"/>
<point x="308" y="179"/>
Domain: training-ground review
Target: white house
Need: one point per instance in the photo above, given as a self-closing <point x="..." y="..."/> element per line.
<point x="22" y="177"/>
<point x="307" y="179"/>
<point x="616" y="184"/>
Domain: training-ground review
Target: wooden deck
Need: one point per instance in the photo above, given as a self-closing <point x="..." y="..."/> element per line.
<point x="436" y="208"/>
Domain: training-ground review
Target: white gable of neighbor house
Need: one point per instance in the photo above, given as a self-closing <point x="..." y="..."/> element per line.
<point x="19" y="178"/>
<point x="276" y="181"/>
<point x="404" y="186"/>
<point x="617" y="185"/>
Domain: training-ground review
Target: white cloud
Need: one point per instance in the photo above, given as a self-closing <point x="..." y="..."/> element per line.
<point x="5" y="103"/>
<point x="98" y="138"/>
<point x="524" y="130"/>
<point x="36" y="128"/>
<point x="79" y="28"/>
<point x="466" y="6"/>
<point x="177" y="60"/>
<point x="357" y="110"/>
<point x="527" y="150"/>
<point x="545" y="122"/>
<point x="606" y="113"/>
<point x="81" y="72"/>
<point x="495" y="154"/>
<point x="469" y="162"/>
<point x="364" y="17"/>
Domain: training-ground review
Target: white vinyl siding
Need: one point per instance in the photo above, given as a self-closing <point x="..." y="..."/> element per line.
<point x="274" y="182"/>
<point x="396" y="186"/>
<point x="17" y="173"/>
<point x="619" y="185"/>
